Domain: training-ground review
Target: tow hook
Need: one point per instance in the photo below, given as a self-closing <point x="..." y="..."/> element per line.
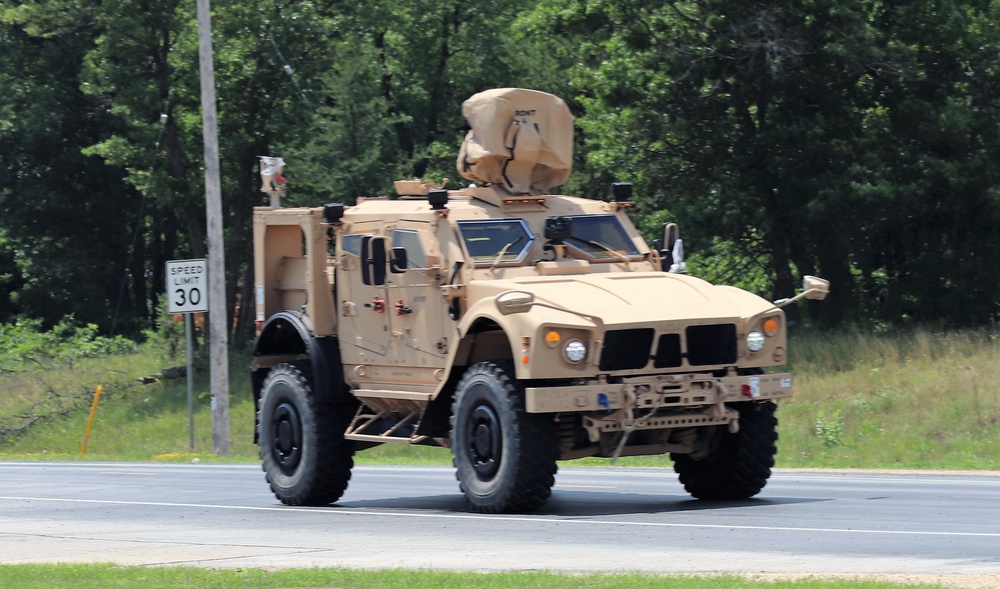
<point x="628" y="424"/>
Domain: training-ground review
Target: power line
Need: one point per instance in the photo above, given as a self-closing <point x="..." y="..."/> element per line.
<point x="287" y="68"/>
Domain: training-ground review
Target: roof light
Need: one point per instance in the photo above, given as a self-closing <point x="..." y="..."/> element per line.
<point x="438" y="199"/>
<point x="621" y="192"/>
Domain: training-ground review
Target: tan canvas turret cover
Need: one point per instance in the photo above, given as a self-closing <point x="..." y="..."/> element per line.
<point x="520" y="139"/>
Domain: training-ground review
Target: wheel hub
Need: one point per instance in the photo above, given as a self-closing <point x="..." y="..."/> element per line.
<point x="485" y="446"/>
<point x="285" y="441"/>
<point x="286" y="431"/>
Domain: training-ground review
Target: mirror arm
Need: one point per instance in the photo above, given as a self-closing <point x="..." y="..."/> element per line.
<point x="778" y="304"/>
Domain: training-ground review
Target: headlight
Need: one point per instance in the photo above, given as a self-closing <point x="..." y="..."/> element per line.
<point x="755" y="341"/>
<point x="575" y="351"/>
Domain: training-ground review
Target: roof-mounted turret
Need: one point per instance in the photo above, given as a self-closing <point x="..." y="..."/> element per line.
<point x="521" y="140"/>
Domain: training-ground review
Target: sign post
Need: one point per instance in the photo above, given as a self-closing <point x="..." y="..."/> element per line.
<point x="187" y="293"/>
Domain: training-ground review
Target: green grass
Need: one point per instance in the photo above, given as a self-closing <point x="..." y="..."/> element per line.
<point x="113" y="577"/>
<point x="918" y="399"/>
<point x="912" y="400"/>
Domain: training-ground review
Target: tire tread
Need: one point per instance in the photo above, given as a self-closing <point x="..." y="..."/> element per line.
<point x="742" y="465"/>
<point x="332" y="457"/>
<point x="537" y="446"/>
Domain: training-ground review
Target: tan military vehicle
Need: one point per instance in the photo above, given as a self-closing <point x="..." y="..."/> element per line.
<point x="517" y="328"/>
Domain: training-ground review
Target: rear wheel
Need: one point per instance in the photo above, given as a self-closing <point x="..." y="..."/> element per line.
<point x="305" y="457"/>
<point x="505" y="458"/>
<point x="741" y="463"/>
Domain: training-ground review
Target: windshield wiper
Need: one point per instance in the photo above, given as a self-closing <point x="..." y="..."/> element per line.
<point x="503" y="252"/>
<point x="604" y="247"/>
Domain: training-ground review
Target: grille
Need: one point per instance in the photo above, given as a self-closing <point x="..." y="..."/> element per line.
<point x="626" y="349"/>
<point x="711" y="344"/>
<point x="668" y="351"/>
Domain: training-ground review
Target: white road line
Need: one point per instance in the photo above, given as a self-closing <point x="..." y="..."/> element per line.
<point x="495" y="518"/>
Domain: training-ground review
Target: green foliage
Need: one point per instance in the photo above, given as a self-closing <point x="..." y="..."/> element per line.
<point x="352" y="147"/>
<point x="61" y="242"/>
<point x="51" y="375"/>
<point x="830" y="430"/>
<point x="819" y="136"/>
<point x="850" y="139"/>
<point x="26" y="340"/>
<point x="740" y="264"/>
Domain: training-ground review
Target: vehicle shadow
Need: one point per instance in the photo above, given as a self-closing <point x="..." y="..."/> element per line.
<point x="583" y="502"/>
<point x="580" y="503"/>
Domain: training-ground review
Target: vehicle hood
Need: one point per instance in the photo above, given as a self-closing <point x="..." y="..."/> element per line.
<point x="631" y="298"/>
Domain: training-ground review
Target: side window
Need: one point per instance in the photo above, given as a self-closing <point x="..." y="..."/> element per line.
<point x="352" y="244"/>
<point x="409" y="240"/>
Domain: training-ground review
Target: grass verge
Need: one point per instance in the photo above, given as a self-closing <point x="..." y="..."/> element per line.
<point x="915" y="400"/>
<point x="113" y="577"/>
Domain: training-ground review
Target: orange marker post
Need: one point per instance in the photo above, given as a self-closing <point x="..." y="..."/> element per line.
<point x="90" y="420"/>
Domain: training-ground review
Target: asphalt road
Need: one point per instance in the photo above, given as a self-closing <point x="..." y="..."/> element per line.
<point x="607" y="520"/>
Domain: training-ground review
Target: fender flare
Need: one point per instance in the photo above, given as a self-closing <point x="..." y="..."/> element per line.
<point x="289" y="332"/>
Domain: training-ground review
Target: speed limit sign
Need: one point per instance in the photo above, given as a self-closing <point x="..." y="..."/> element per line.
<point x="187" y="286"/>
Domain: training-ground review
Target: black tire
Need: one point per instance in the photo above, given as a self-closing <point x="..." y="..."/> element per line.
<point x="505" y="458"/>
<point x="741" y="463"/>
<point x="305" y="458"/>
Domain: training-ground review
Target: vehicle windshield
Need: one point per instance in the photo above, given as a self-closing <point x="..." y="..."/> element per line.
<point x="496" y="240"/>
<point x="601" y="236"/>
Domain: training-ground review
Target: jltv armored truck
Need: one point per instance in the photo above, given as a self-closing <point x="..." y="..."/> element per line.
<point x="515" y="327"/>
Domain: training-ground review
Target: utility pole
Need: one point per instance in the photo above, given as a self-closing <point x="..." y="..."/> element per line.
<point x="218" y="328"/>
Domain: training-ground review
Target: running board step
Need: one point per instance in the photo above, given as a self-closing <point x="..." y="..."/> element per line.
<point x="382" y="394"/>
<point x="388" y="417"/>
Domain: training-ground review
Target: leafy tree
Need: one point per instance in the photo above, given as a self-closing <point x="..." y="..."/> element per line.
<point x="61" y="248"/>
<point x="793" y="131"/>
<point x="849" y="138"/>
<point x="390" y="106"/>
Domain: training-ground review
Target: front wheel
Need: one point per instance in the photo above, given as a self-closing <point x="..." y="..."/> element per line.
<point x="741" y="463"/>
<point x="305" y="457"/>
<point x="505" y="458"/>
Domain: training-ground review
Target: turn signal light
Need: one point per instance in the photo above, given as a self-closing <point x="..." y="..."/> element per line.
<point x="771" y="327"/>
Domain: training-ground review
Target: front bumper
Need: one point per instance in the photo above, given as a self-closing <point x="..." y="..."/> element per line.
<point x="666" y="392"/>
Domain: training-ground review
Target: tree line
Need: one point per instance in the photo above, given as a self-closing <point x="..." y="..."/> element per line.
<point x="852" y="139"/>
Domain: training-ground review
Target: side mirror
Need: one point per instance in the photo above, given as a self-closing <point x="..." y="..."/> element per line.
<point x="671" y="233"/>
<point x="514" y="301"/>
<point x="815" y="288"/>
<point x="373" y="261"/>
<point x="672" y="254"/>
<point x="398" y="262"/>
<point x="677" y="255"/>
